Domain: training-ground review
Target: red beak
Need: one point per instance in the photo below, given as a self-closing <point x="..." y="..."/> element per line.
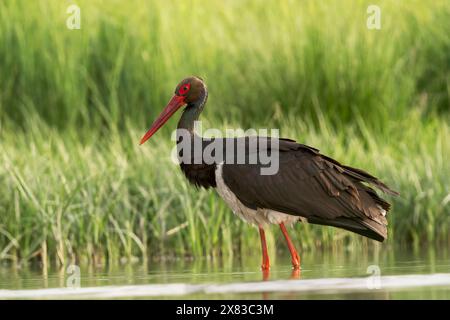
<point x="174" y="104"/>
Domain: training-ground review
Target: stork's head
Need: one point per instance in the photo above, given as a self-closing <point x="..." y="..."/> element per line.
<point x="190" y="91"/>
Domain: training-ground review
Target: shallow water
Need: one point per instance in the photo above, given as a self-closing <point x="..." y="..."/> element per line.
<point x="383" y="273"/>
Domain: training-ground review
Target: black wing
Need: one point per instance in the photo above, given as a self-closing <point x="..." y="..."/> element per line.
<point x="316" y="187"/>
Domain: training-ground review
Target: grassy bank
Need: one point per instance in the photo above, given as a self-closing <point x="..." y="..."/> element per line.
<point x="108" y="198"/>
<point x="74" y="103"/>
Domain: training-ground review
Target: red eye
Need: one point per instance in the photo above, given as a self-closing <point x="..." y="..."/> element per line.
<point x="184" y="88"/>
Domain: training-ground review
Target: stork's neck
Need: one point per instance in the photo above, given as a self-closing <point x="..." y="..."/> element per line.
<point x="192" y="112"/>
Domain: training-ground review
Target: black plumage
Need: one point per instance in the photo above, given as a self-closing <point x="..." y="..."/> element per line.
<point x="308" y="184"/>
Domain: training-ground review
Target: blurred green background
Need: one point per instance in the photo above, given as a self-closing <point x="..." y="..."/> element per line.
<point x="74" y="184"/>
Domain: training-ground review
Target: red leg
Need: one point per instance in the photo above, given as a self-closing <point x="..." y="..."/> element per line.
<point x="294" y="254"/>
<point x="265" y="256"/>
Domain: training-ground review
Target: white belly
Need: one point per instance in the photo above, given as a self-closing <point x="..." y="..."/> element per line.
<point x="259" y="217"/>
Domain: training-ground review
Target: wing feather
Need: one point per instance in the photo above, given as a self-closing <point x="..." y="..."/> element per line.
<point x="313" y="186"/>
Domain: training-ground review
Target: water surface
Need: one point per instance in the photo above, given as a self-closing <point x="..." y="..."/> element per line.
<point x="380" y="273"/>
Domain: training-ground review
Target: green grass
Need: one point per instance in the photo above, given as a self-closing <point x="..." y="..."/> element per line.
<point x="110" y="199"/>
<point x="73" y="104"/>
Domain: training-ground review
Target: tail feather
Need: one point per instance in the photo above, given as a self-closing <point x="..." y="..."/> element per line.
<point x="363" y="176"/>
<point x="365" y="227"/>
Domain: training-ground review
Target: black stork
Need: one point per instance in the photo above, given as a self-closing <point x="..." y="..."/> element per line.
<point x="308" y="186"/>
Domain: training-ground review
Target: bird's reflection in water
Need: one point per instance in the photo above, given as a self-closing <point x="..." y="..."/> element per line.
<point x="265" y="274"/>
<point x="296" y="274"/>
